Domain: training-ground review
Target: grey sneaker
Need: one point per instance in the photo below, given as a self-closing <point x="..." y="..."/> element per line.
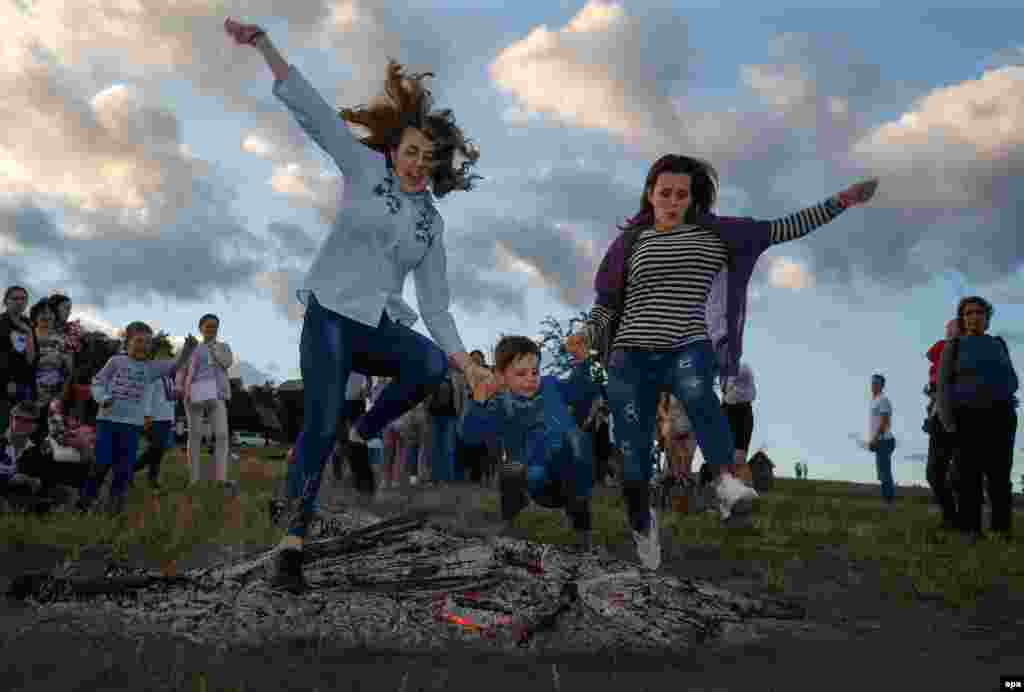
<point x="648" y="544"/>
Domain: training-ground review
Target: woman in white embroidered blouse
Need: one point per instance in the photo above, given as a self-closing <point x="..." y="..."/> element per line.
<point x="388" y="227"/>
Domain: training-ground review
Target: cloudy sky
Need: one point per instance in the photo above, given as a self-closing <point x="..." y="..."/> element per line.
<point x="147" y="170"/>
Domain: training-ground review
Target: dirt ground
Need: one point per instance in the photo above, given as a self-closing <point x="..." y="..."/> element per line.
<point x="854" y="637"/>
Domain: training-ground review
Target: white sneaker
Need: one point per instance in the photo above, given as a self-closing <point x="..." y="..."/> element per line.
<point x="734" y="496"/>
<point x="648" y="545"/>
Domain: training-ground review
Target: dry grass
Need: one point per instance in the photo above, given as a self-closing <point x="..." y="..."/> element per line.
<point x="794" y="522"/>
<point x="798" y="519"/>
<point x="166" y="527"/>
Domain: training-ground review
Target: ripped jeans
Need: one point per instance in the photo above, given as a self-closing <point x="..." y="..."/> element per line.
<point x="635" y="379"/>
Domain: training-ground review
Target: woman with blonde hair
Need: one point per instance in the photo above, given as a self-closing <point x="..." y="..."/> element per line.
<point x="356" y="319"/>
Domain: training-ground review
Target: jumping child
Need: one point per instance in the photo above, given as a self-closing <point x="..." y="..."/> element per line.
<point x="547" y="458"/>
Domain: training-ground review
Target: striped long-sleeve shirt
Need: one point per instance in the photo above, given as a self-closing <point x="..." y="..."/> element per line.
<point x="670" y="277"/>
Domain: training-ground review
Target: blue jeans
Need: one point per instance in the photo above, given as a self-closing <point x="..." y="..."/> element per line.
<point x="116" y="447"/>
<point x="883" y="463"/>
<point x="568" y="469"/>
<point x="442" y="449"/>
<point x="635" y="378"/>
<point x="332" y="347"/>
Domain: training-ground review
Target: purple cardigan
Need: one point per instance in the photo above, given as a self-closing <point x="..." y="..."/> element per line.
<point x="746" y="240"/>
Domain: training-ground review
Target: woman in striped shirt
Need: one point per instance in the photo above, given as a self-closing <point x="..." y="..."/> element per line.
<point x="652" y="290"/>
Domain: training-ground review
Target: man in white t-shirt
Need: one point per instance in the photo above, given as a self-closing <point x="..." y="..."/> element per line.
<point x="880" y="438"/>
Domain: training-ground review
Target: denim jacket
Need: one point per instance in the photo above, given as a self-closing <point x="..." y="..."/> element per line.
<point x="529" y="428"/>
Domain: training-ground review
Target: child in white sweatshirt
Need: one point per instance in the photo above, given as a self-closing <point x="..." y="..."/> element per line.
<point x="120" y="389"/>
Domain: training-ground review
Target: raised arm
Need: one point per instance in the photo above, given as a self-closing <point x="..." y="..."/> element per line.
<point x="801" y="223"/>
<point x="314" y="115"/>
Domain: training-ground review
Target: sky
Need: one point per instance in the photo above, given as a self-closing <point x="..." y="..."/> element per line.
<point x="147" y="171"/>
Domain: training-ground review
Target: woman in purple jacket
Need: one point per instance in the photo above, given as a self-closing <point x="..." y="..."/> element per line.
<point x="650" y="314"/>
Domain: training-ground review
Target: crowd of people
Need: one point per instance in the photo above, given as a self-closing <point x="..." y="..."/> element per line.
<point x="390" y="405"/>
<point x="72" y="419"/>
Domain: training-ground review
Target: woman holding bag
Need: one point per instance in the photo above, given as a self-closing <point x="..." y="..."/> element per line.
<point x="203" y="387"/>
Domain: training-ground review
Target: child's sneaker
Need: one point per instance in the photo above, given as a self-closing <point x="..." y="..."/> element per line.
<point x="288" y="571"/>
<point x="735" y="498"/>
<point x="648" y="544"/>
<point x="514" y="493"/>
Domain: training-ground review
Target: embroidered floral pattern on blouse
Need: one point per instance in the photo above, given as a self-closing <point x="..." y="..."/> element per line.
<point x="425" y="224"/>
<point x="424" y="215"/>
<point x="386" y="189"/>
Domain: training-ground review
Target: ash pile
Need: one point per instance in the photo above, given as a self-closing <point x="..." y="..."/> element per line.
<point x="404" y="584"/>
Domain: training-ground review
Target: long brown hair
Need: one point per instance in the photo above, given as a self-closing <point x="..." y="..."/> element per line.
<point x="406" y="103"/>
<point x="703" y="188"/>
<point x="973" y="300"/>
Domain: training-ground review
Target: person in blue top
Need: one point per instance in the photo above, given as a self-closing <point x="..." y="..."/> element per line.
<point x="388" y="227"/>
<point x="546" y="457"/>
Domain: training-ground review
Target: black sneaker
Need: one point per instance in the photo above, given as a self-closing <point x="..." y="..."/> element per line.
<point x="288" y="572"/>
<point x="514" y="491"/>
<point x="363" y="478"/>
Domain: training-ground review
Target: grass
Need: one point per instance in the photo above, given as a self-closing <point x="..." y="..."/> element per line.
<point x="164" y="528"/>
<point x="795" y="522"/>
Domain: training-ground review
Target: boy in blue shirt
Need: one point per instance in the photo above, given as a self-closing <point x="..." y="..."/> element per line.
<point x="546" y="458"/>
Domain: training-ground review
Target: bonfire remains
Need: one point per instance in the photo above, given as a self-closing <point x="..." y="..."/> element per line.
<point x="402" y="584"/>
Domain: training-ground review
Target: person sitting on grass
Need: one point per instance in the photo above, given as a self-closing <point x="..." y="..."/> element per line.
<point x="67" y="430"/>
<point x="29" y="469"/>
<point x="13" y="479"/>
<point x="120" y="389"/>
<point x="547" y="458"/>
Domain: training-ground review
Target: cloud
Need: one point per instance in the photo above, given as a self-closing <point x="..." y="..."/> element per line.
<point x="605" y="69"/>
<point x="139" y="215"/>
<point x="948" y="197"/>
<point x="91" y="321"/>
<point x="783" y="272"/>
<point x="305" y="186"/>
<point x="281" y="286"/>
<point x="965" y="139"/>
<point x="820" y="85"/>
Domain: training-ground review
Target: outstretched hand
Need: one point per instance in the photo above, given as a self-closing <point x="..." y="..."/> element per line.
<point x="576" y="345"/>
<point x="859" y="193"/>
<point x="242" y="33"/>
<point x="481" y="382"/>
